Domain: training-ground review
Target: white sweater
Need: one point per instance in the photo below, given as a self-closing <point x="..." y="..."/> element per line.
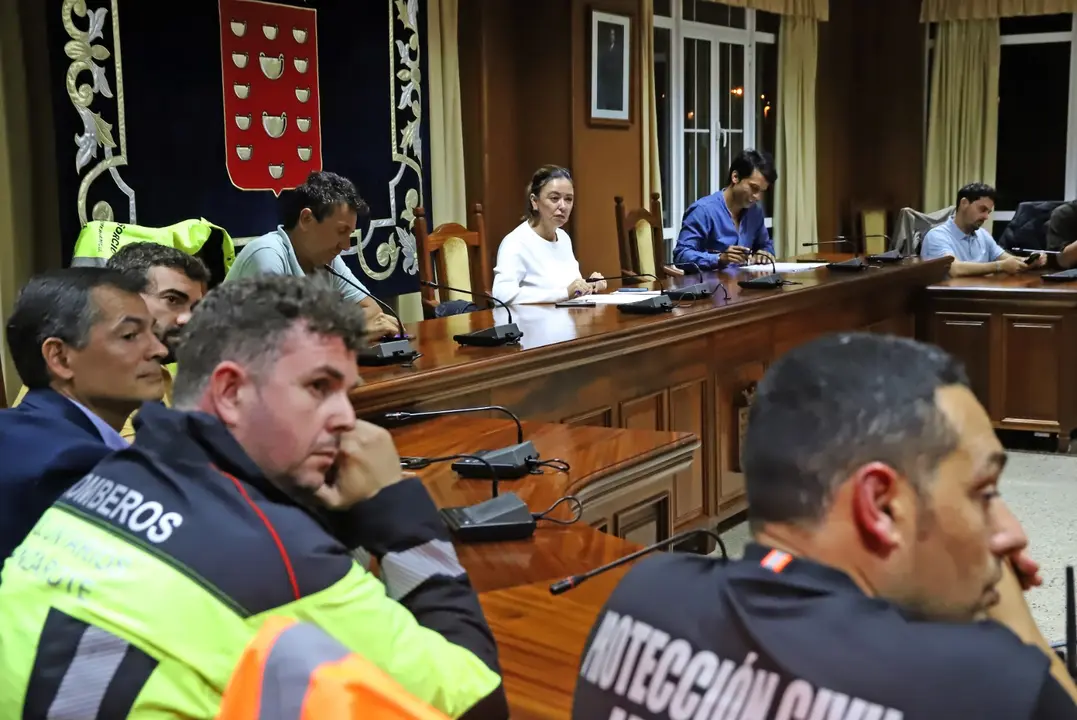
<point x="532" y="270"/>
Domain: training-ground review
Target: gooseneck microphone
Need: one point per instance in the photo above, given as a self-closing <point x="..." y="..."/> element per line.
<point x="507" y="334"/>
<point x="765" y="282"/>
<point x="857" y="263"/>
<point x="509" y="463"/>
<point x="566" y="584"/>
<point x="396" y="350"/>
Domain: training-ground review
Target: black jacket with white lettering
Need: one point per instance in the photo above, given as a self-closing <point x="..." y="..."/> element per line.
<point x="235" y="535"/>
<point x="769" y="636"/>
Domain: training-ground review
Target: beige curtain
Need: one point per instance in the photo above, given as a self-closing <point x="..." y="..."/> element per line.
<point x="652" y="170"/>
<point x="449" y="201"/>
<point x="814" y="9"/>
<point x="962" y="131"/>
<point x="943" y="10"/>
<point x="795" y="216"/>
<point x="16" y="227"/>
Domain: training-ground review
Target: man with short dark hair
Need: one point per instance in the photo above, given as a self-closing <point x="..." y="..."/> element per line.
<point x="245" y="502"/>
<point x="963" y="238"/>
<point x="82" y="341"/>
<point x="728" y="227"/>
<point x="885" y="577"/>
<point x="319" y="218"/>
<point x="174" y="283"/>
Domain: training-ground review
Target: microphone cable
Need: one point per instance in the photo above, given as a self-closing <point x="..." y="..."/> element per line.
<point x="418" y="463"/>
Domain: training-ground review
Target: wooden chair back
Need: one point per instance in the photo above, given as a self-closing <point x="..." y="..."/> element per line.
<point x="639" y="237"/>
<point x="454" y="255"/>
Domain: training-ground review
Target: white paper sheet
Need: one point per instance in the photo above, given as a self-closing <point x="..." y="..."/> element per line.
<point x="614" y="298"/>
<point x="783" y="267"/>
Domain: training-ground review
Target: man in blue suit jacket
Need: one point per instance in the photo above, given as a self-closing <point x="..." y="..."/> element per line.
<point x="82" y="340"/>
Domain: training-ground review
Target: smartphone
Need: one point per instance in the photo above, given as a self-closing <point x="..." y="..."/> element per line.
<point x="1032" y="258"/>
<point x="567" y="304"/>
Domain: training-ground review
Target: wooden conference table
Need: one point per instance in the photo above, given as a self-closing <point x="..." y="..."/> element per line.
<point x="1017" y="336"/>
<point x="691" y="370"/>
<point x="540" y="636"/>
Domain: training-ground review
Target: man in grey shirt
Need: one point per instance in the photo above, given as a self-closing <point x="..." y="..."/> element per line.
<point x="963" y="238"/>
<point x="319" y="218"/>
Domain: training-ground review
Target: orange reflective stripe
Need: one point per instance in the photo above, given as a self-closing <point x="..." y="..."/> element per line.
<point x="776" y="560"/>
<point x="356" y="688"/>
<point x="310" y="675"/>
<point x="243" y="696"/>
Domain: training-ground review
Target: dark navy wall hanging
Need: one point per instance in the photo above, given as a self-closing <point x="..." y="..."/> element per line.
<point x="214" y="107"/>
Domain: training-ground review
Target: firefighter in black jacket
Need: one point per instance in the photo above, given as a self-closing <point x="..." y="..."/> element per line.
<point x="243" y="503"/>
<point x="885" y="580"/>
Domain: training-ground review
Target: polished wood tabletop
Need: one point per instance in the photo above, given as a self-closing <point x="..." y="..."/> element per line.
<point x="595" y="455"/>
<point x="552" y="334"/>
<point x="541" y="637"/>
<point x="1025" y="284"/>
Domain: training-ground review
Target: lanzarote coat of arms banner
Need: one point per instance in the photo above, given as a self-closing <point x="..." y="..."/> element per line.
<point x="217" y="109"/>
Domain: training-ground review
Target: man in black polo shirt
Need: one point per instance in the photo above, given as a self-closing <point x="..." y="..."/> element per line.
<point x="886" y="577"/>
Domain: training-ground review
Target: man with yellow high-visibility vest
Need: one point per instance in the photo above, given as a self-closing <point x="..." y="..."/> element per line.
<point x="138" y="591"/>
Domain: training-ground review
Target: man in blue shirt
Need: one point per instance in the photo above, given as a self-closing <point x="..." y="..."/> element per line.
<point x="963" y="238"/>
<point x="727" y="228"/>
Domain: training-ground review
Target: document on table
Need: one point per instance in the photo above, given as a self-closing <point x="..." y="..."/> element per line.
<point x="614" y="298"/>
<point x="783" y="267"/>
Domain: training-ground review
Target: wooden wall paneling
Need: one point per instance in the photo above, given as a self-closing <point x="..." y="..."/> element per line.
<point x="690" y="410"/>
<point x="599" y="417"/>
<point x="648" y="412"/>
<point x="967" y="336"/>
<point x="1030" y="370"/>
<point x="869" y="110"/>
<point x="732" y="385"/>
<point x="648" y="522"/>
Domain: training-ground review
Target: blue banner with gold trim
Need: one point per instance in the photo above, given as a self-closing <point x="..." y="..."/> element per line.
<point x="209" y="108"/>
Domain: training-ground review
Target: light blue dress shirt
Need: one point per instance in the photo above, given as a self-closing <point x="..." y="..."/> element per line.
<point x="948" y="239"/>
<point x="273" y="254"/>
<point x="113" y="440"/>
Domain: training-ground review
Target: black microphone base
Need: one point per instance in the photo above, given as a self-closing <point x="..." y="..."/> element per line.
<point x="388" y="353"/>
<point x="888" y="256"/>
<point x="509" y="463"/>
<point x="648" y="306"/>
<point x="691" y="292"/>
<point x="508" y="334"/>
<point x="505" y="517"/>
<point x="766" y="282"/>
<point x="852" y="265"/>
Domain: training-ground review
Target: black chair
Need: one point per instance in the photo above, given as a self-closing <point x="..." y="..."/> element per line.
<point x="1028" y="229"/>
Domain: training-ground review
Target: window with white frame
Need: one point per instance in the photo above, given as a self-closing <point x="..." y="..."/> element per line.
<point x="716" y="80"/>
<point x="1037" y="113"/>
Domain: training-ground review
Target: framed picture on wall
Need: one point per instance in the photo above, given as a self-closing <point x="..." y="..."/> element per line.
<point x="611" y="69"/>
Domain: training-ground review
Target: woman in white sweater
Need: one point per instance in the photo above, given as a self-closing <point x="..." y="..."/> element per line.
<point x="535" y="263"/>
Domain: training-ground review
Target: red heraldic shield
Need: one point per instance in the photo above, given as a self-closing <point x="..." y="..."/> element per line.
<point x="269" y="66"/>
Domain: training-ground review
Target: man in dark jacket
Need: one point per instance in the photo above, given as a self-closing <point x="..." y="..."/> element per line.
<point x="82" y="340"/>
<point x="1062" y="233"/>
<point x="243" y="502"/>
<point x="881" y="545"/>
